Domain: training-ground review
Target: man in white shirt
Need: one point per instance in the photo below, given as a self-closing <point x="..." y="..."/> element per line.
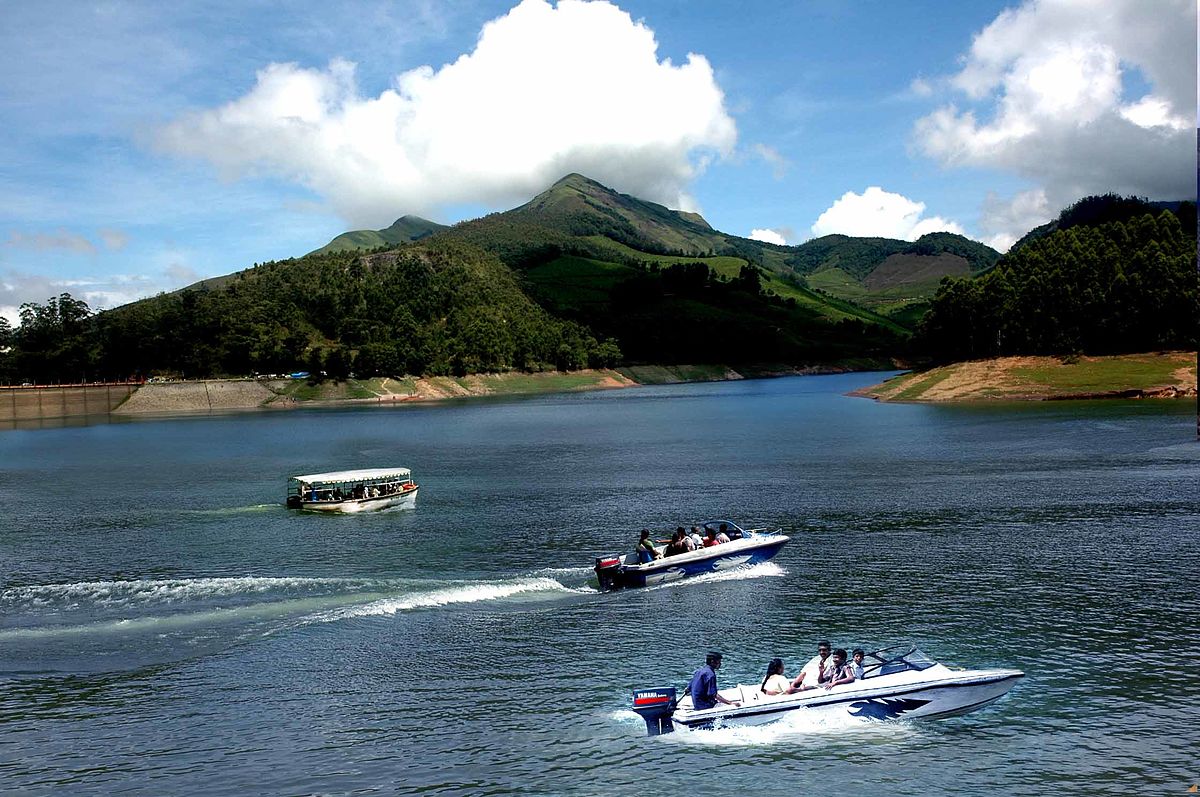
<point x="817" y="671"/>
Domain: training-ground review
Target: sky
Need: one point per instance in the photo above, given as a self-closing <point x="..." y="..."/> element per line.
<point x="145" y="145"/>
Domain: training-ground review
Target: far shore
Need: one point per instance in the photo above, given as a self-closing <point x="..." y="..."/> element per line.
<point x="210" y="395"/>
<point x="1127" y="376"/>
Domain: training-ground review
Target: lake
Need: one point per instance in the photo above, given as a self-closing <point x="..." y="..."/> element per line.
<point x="167" y="627"/>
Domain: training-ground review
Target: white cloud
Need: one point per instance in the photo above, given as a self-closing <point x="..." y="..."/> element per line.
<point x="778" y="163"/>
<point x="547" y="90"/>
<point x="768" y="236"/>
<point x="1005" y="221"/>
<point x="879" y="213"/>
<point x="1049" y="80"/>
<point x="60" y="239"/>
<point x="114" y="240"/>
<point x="101" y="292"/>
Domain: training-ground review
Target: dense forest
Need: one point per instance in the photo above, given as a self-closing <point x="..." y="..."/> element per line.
<point x="1114" y="275"/>
<point x="584" y="277"/>
<point x="439" y="307"/>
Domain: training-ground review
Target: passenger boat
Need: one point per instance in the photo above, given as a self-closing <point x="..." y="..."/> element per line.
<point x="899" y="682"/>
<point x="352" y="490"/>
<point x="745" y="547"/>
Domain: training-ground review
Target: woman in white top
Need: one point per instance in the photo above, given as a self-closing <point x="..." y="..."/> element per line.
<point x="776" y="683"/>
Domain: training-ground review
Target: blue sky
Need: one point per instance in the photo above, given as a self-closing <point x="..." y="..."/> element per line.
<point x="149" y="145"/>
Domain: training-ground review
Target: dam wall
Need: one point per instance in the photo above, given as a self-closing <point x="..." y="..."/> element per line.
<point x="49" y="406"/>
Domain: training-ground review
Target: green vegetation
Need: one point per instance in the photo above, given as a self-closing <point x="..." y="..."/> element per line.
<point x="585" y="277"/>
<point x="1112" y="288"/>
<point x="403" y="230"/>
<point x="1023" y="378"/>
<point x="1089" y="375"/>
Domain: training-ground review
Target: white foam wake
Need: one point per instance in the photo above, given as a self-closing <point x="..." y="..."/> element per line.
<point x="760" y="570"/>
<point x="466" y="593"/>
<point x="150" y="591"/>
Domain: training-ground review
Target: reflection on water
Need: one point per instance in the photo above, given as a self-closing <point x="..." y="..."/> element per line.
<point x="166" y="626"/>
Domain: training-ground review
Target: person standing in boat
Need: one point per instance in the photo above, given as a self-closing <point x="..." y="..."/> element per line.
<point x="646" y="551"/>
<point x="703" y="686"/>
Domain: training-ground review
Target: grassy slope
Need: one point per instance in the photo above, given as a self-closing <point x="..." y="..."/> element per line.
<point x="1043" y="377"/>
<point x="833" y="307"/>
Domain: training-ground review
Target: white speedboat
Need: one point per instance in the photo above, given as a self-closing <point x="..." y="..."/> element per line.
<point x="745" y="547"/>
<point x="352" y="490"/>
<point x="899" y="683"/>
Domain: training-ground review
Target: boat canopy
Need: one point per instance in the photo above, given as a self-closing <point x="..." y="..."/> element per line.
<point x="355" y="476"/>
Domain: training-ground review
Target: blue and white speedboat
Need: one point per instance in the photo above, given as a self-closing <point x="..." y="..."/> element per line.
<point x="899" y="683"/>
<point x="745" y="547"/>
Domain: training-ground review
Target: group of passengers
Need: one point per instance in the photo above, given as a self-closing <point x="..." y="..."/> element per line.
<point x="826" y="669"/>
<point x="682" y="541"/>
<point x="358" y="493"/>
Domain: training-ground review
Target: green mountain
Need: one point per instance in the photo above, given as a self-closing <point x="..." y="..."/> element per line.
<point x="1106" y="280"/>
<point x="1093" y="211"/>
<point x="578" y="276"/>
<point x="404" y="230"/>
<point x="893" y="277"/>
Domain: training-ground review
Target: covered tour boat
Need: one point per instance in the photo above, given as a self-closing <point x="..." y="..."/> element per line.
<point x="745" y="547"/>
<point x="353" y="490"/>
<point x="898" y="683"/>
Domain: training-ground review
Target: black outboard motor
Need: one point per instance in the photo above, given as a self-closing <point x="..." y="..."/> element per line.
<point x="656" y="707"/>
<point x="608" y="568"/>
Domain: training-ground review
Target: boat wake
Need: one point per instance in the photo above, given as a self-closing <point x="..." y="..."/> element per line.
<point x="91" y="624"/>
<point x="793" y="728"/>
<point x="760" y="570"/>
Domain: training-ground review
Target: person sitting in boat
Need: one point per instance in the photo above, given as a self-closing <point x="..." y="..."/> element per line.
<point x="856" y="664"/>
<point x="337" y="493"/>
<point x="776" y="683"/>
<point x="646" y="551"/>
<point x="722" y="534"/>
<point x="839" y="672"/>
<point x="813" y="674"/>
<point x="711" y="539"/>
<point x="689" y="544"/>
<point x="697" y="538"/>
<point x="703" y="686"/>
<point x="677" y="545"/>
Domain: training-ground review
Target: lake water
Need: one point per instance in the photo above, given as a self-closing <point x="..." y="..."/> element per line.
<point x="166" y="627"/>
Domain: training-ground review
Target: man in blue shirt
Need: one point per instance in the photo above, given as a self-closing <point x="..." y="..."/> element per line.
<point x="703" y="686"/>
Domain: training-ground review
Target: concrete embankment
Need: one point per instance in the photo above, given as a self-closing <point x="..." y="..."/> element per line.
<point x="1127" y="376"/>
<point x="31" y="407"/>
<point x="206" y="396"/>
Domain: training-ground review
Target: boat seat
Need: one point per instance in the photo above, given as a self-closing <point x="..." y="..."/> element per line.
<point x="750" y="693"/>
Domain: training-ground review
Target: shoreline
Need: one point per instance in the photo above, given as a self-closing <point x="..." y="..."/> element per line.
<point x="1161" y="375"/>
<point x="172" y="399"/>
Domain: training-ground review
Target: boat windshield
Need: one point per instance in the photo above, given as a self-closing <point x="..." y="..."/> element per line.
<point x="898" y="658"/>
<point x="733" y="530"/>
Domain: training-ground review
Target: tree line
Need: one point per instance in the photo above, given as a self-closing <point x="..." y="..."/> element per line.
<point x="1095" y="287"/>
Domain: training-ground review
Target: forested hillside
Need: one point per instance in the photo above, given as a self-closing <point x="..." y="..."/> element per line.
<point x="1102" y="287"/>
<point x="583" y="276"/>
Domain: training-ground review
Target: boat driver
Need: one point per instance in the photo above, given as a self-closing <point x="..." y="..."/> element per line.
<point x="703" y="686"/>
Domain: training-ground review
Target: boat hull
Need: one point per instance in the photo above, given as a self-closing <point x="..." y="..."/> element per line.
<point x="948" y="694"/>
<point x="406" y="500"/>
<point x="739" y="553"/>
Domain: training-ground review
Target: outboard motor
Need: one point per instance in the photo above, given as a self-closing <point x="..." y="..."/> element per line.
<point x="607" y="570"/>
<point x="656" y="707"/>
<point x="293" y="502"/>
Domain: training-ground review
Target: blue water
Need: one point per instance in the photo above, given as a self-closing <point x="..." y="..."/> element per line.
<point x="166" y="627"/>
